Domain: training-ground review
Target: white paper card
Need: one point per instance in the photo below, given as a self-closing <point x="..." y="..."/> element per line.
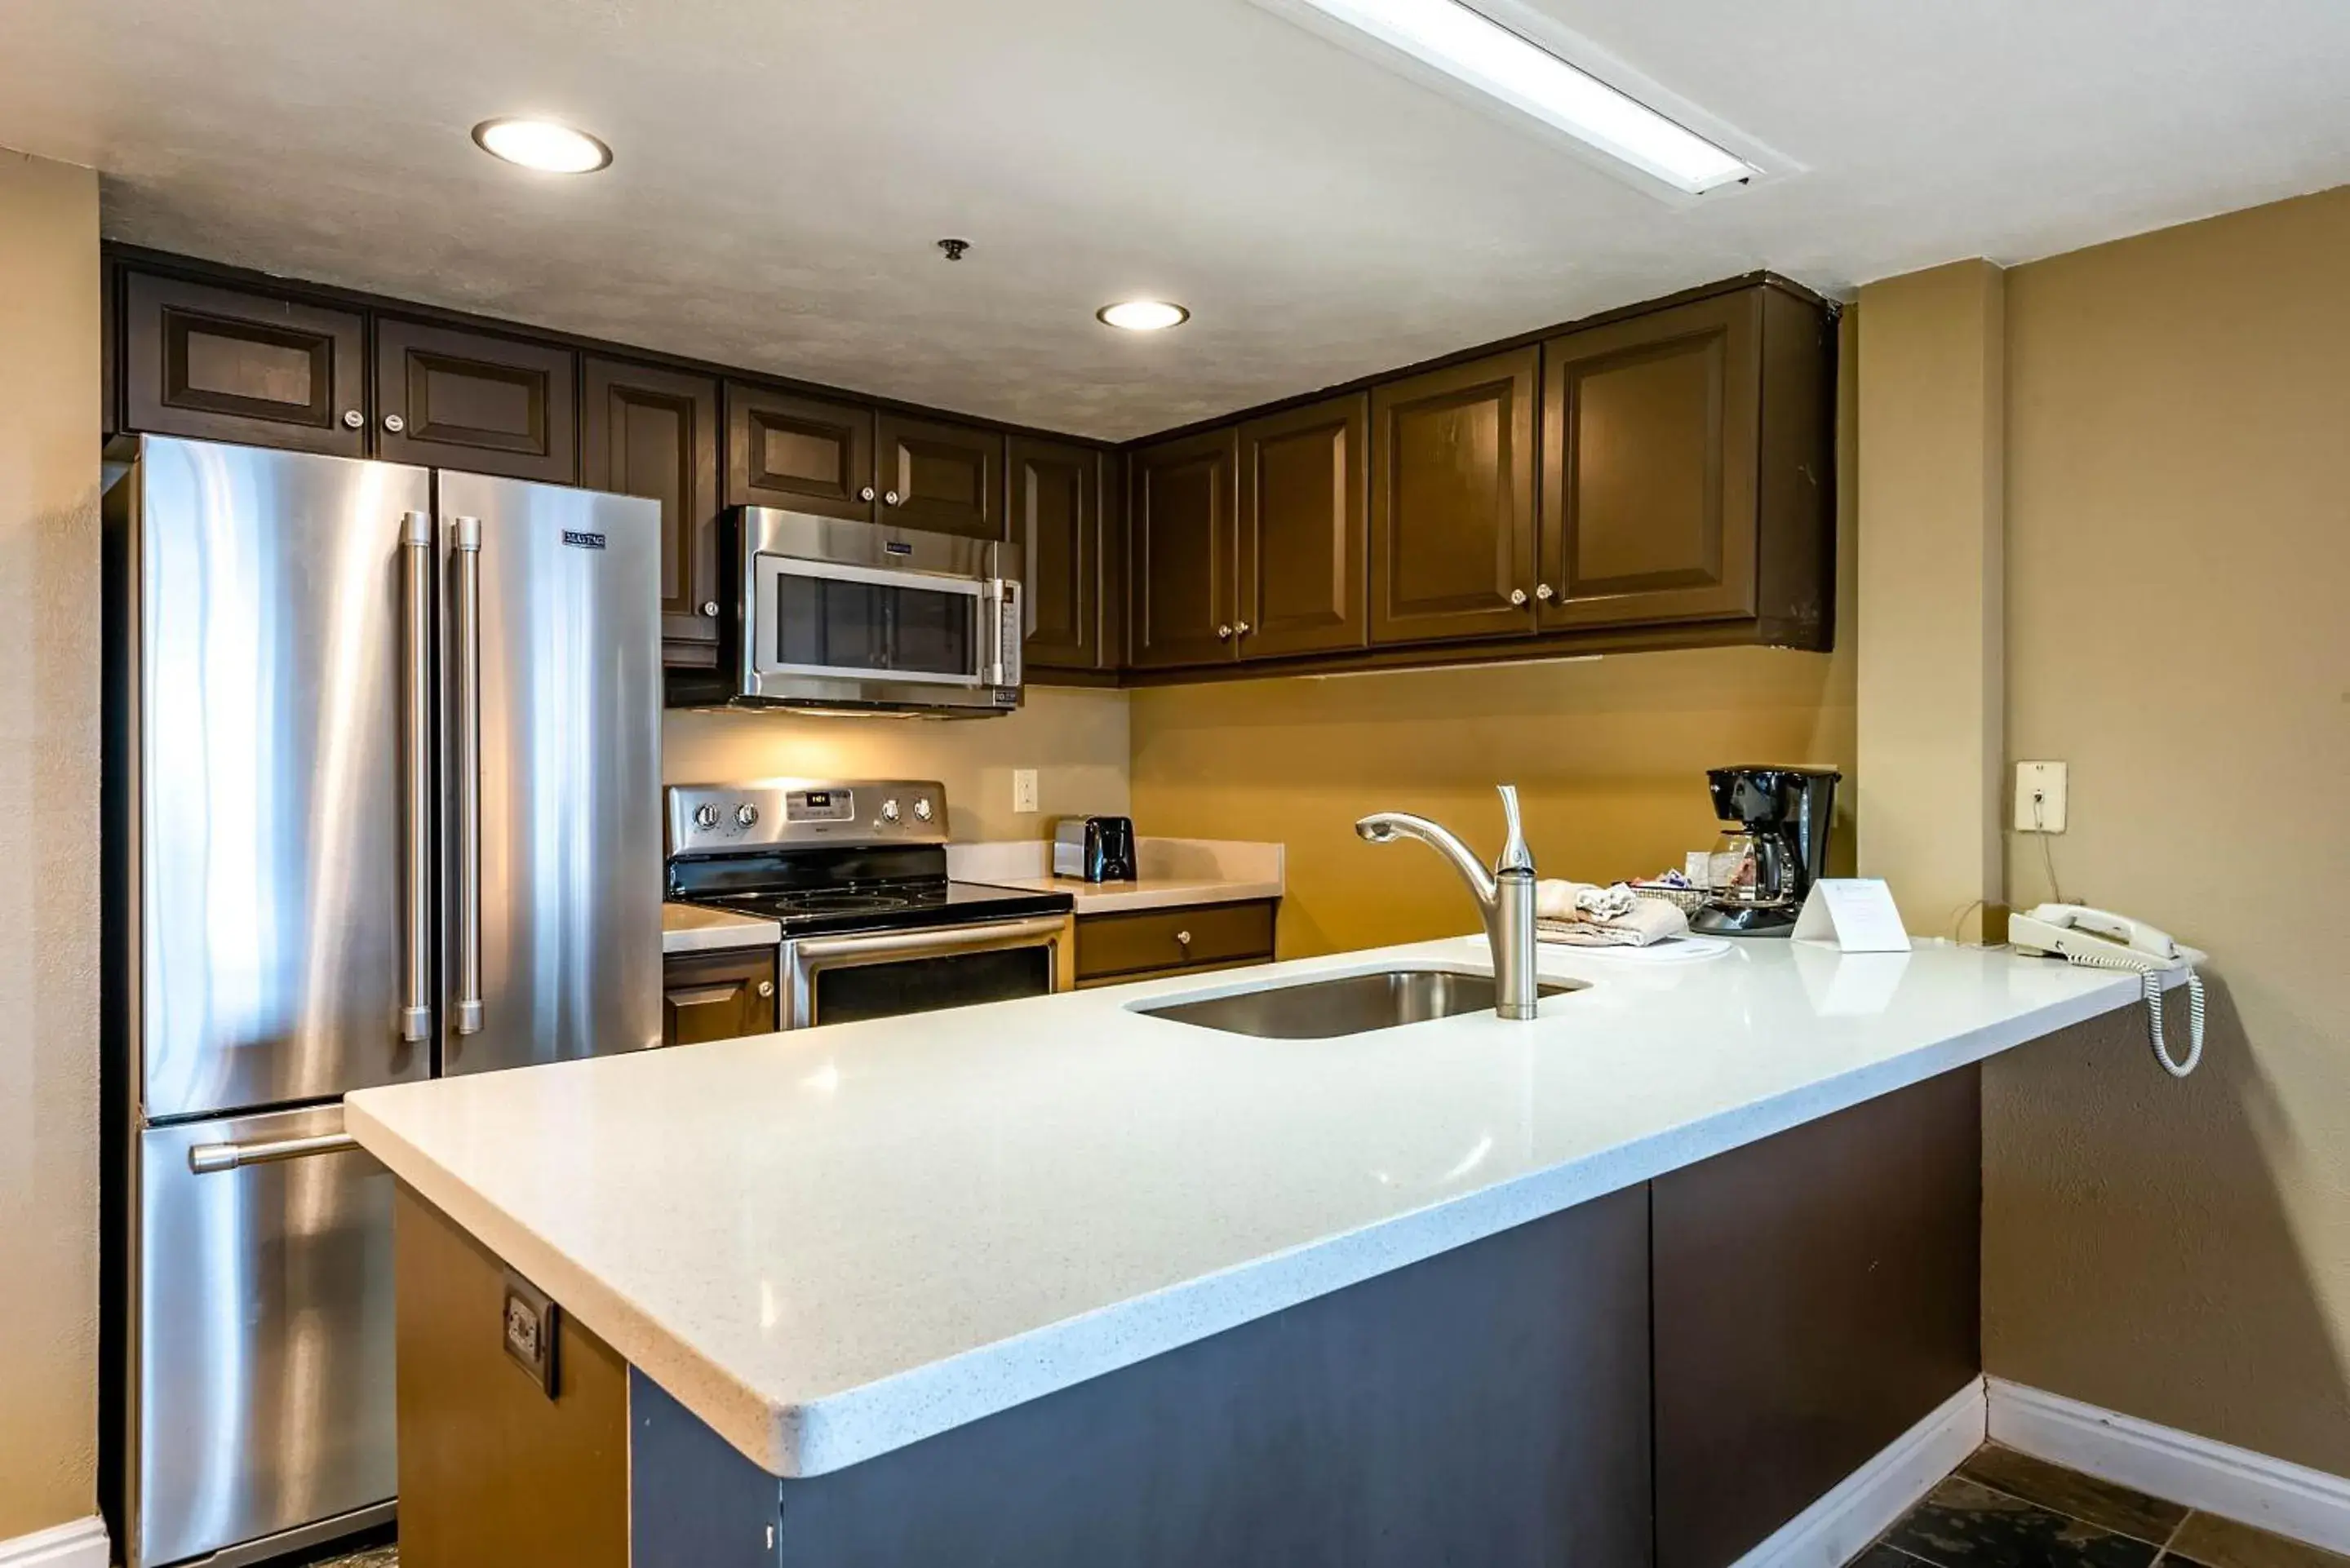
<point x="1855" y="913"/>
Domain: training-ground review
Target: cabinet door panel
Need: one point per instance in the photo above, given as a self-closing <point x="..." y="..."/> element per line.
<point x="654" y="432"/>
<point x="1182" y="537"/>
<point x="1302" y="529"/>
<point x="720" y="995"/>
<point x="477" y="401"/>
<point x="946" y="478"/>
<point x="1056" y="523"/>
<point x="803" y="454"/>
<point x="218" y="364"/>
<point x="1453" y="501"/>
<point x="1649" y="434"/>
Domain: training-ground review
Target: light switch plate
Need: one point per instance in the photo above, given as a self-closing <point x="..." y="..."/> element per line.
<point x="1024" y="789"/>
<point x="2040" y="797"/>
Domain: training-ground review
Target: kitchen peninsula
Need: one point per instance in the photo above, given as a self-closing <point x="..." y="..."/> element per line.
<point x="1057" y="1282"/>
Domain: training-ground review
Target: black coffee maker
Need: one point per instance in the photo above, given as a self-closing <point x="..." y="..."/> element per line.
<point x="1774" y="847"/>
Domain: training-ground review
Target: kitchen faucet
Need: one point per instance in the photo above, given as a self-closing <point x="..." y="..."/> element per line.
<point x="1505" y="895"/>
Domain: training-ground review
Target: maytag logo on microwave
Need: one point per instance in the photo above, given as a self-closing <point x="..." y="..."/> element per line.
<point x="579" y="541"/>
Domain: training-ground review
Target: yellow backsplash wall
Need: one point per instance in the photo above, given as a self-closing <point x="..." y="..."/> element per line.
<point x="1609" y="757"/>
<point x="1075" y="740"/>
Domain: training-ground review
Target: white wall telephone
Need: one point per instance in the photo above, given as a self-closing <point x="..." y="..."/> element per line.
<point x="2103" y="940"/>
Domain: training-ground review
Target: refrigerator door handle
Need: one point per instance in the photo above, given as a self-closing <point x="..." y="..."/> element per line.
<point x="467" y="532"/>
<point x="205" y="1158"/>
<point x="416" y="776"/>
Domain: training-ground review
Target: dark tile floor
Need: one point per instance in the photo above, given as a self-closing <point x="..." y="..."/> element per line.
<point x="2001" y="1509"/>
<point x="2006" y="1510"/>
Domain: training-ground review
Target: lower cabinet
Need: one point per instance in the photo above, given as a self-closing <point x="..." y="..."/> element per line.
<point x="717" y="996"/>
<point x="1150" y="944"/>
<point x="1817" y="1295"/>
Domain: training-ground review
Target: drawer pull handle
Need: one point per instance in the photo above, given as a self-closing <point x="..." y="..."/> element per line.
<point x="1182" y="939"/>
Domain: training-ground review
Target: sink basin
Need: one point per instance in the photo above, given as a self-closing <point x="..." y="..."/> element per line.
<point x="1345" y="1005"/>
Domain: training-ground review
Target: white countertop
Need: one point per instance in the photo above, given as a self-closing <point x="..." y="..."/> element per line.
<point x="1171" y="873"/>
<point x="831" y="1243"/>
<point x="692" y="929"/>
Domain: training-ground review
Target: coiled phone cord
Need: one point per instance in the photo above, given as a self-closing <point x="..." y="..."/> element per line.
<point x="2149" y="980"/>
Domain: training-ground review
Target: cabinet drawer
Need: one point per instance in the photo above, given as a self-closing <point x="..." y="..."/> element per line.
<point x="717" y="996"/>
<point x="1197" y="936"/>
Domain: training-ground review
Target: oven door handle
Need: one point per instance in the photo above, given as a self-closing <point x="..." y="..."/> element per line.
<point x="805" y="958"/>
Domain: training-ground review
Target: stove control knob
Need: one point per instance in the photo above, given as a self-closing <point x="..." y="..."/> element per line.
<point x="889" y="811"/>
<point x="745" y="815"/>
<point x="706" y="816"/>
<point x="921" y="808"/>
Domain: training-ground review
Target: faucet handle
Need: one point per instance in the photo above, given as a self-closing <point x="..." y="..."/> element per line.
<point x="1516" y="856"/>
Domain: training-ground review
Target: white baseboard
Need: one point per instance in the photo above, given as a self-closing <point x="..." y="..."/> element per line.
<point x="80" y="1545"/>
<point x="2163" y="1461"/>
<point x="1864" y="1505"/>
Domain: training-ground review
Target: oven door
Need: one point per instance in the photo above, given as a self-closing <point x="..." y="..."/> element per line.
<point x="885" y="974"/>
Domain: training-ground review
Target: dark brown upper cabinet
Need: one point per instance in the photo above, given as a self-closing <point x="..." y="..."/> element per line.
<point x="940" y="477"/>
<point x="648" y="431"/>
<point x="1302" y="531"/>
<point x="452" y="398"/>
<point x="1453" y="501"/>
<point x="803" y="454"/>
<point x="220" y="364"/>
<point x="1180" y="537"/>
<point x="1056" y="522"/>
<point x="1650" y="432"/>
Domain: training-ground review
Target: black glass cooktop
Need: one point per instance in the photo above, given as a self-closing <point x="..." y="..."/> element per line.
<point x="889" y="907"/>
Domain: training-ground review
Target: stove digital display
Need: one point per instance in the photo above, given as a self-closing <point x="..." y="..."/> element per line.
<point x="820" y="806"/>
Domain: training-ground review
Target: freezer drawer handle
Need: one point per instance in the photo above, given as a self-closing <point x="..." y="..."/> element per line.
<point x="204" y="1159"/>
<point x="468" y="531"/>
<point x="416" y="762"/>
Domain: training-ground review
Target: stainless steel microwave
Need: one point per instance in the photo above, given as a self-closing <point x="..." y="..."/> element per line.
<point x="819" y="612"/>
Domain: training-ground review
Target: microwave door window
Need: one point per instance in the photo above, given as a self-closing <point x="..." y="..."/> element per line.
<point x="829" y="623"/>
<point x="933" y="633"/>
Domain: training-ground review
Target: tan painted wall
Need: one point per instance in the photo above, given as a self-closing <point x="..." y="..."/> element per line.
<point x="1609" y="758"/>
<point x="1931" y="387"/>
<point x="2178" y="629"/>
<point x="1074" y="737"/>
<point x="49" y="842"/>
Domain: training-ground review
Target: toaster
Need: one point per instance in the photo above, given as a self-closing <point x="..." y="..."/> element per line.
<point x="1095" y="848"/>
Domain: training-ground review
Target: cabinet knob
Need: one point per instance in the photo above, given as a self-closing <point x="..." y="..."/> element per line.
<point x="394" y="423"/>
<point x="1224" y="634"/>
<point x="766" y="987"/>
<point x="889" y="498"/>
<point x="1240" y="630"/>
<point x="710" y="607"/>
<point x="865" y="493"/>
<point x="1543" y="592"/>
<point x="1517" y="595"/>
<point x="353" y="418"/>
<point x="1182" y="939"/>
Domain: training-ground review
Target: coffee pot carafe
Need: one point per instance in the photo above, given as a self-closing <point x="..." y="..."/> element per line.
<point x="1774" y="847"/>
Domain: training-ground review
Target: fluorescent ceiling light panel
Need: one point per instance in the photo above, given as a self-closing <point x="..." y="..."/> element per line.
<point x="1484" y="54"/>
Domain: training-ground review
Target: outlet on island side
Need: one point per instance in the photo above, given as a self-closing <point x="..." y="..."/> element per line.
<point x="1024" y="789"/>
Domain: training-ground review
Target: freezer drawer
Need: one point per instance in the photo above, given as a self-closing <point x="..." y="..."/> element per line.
<point x="264" y="1331"/>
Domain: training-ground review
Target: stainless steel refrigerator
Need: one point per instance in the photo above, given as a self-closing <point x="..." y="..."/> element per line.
<point x="383" y="792"/>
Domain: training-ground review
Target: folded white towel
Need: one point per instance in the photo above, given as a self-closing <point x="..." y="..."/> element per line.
<point x="1648" y="920"/>
<point x="1560" y="900"/>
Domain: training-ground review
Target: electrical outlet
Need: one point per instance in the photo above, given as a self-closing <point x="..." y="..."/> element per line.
<point x="1024" y="789"/>
<point x="2040" y="797"/>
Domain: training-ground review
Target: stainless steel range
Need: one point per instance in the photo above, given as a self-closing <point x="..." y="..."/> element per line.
<point x="855" y="872"/>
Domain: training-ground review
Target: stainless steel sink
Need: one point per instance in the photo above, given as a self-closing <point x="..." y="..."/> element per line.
<point x="1346" y="1004"/>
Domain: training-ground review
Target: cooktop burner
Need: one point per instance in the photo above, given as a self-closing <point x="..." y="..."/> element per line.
<point x="834" y="903"/>
<point x="808" y="911"/>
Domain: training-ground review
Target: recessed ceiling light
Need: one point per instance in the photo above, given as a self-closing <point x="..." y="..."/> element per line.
<point x="1482" y="54"/>
<point x="542" y="144"/>
<point x="1143" y="315"/>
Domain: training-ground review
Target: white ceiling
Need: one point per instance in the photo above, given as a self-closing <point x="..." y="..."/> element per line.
<point x="784" y="167"/>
